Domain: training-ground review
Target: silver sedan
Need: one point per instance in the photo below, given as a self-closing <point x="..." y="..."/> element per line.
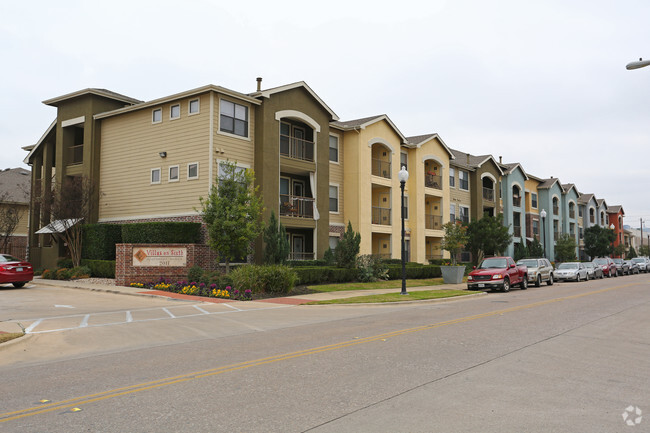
<point x="571" y="271"/>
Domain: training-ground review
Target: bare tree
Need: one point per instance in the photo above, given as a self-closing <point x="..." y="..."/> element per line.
<point x="10" y="214"/>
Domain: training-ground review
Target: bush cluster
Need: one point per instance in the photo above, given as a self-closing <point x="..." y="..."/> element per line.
<point x="161" y="233"/>
<point x="414" y="271"/>
<point x="272" y="279"/>
<point x="66" y="273"/>
<point x="100" y="268"/>
<point x="197" y="289"/>
<point x="325" y="274"/>
<point x="99" y="241"/>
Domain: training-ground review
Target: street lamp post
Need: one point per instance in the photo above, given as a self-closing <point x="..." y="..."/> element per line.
<point x="611" y="226"/>
<point x="403" y="176"/>
<point x="543" y="215"/>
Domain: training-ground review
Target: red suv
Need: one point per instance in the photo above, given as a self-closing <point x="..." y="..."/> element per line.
<point x="607" y="265"/>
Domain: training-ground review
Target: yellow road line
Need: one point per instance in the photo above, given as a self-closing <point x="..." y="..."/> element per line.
<point x="64" y="404"/>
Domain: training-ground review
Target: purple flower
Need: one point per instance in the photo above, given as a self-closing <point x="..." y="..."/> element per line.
<point x="228" y="288"/>
<point x="213" y="286"/>
<point x="202" y="285"/>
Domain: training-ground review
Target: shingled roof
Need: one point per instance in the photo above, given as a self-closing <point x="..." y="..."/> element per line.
<point x="14" y="185"/>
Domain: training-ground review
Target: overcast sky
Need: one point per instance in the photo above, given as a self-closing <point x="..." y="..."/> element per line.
<point x="542" y="83"/>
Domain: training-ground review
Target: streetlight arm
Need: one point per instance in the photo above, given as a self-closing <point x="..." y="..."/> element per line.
<point x="636" y="65"/>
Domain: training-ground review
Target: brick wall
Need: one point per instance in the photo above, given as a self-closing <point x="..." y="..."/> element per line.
<point x="125" y="273"/>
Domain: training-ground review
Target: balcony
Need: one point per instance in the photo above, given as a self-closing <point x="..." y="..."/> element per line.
<point x="516" y="231"/>
<point x="433" y="222"/>
<point x="296" y="148"/>
<point x="76" y="154"/>
<point x="488" y="194"/>
<point x="381" y="168"/>
<point x="556" y="210"/>
<point x="301" y="256"/>
<point x="572" y="214"/>
<point x="433" y="181"/>
<point x="592" y="219"/>
<point x="381" y="215"/>
<point x="296" y="206"/>
<point x="516" y="201"/>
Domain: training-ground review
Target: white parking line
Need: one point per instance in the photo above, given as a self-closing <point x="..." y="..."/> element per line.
<point x="200" y="309"/>
<point x="32" y="326"/>
<point x="129" y="317"/>
<point x="168" y="312"/>
<point x="84" y="322"/>
<point x="233" y="307"/>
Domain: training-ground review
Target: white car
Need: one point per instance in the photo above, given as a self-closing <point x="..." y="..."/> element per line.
<point x="539" y="270"/>
<point x="643" y="262"/>
<point x="571" y="271"/>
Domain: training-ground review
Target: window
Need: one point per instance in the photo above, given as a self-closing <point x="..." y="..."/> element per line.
<point x="173" y="173"/>
<point x="535" y="227"/>
<point x="334" y="242"/>
<point x="222" y="173"/>
<point x="334" y="198"/>
<point x="533" y="200"/>
<point x="403" y="160"/>
<point x="452" y="212"/>
<point x="334" y="148"/>
<point x="155" y="175"/>
<point x="452" y="178"/>
<point x="405" y="203"/>
<point x="580" y="211"/>
<point x="463" y="180"/>
<point x="464" y="214"/>
<point x="175" y="111"/>
<point x="156" y="115"/>
<point x="234" y="118"/>
<point x="193" y="171"/>
<point x="194" y="106"/>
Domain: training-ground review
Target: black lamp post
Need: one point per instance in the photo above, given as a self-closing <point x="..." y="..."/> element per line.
<point x="403" y="176"/>
<point x="543" y="215"/>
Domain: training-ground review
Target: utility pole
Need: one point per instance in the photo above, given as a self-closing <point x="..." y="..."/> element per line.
<point x="640" y="248"/>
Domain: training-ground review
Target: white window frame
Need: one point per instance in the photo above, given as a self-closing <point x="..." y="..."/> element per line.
<point x="459" y="180"/>
<point x="452" y="177"/>
<point x="329" y="241"/>
<point x="169" y="173"/>
<point x="536" y="201"/>
<point x="151" y="181"/>
<point x="198" y="107"/>
<point x="188" y="171"/>
<point x="460" y="207"/>
<point x="248" y="121"/>
<point x="153" y="115"/>
<point x="171" y="112"/>
<point x="338" y="204"/>
<point x="406" y="206"/>
<point x="402" y="164"/>
<point x="452" y="206"/>
<point x="338" y="149"/>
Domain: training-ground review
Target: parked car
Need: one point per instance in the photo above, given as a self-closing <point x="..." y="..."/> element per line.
<point x="633" y="267"/>
<point x="571" y="271"/>
<point x="15" y="271"/>
<point x="499" y="273"/>
<point x="593" y="271"/>
<point x="607" y="265"/>
<point x="539" y="270"/>
<point x="622" y="268"/>
<point x="643" y="263"/>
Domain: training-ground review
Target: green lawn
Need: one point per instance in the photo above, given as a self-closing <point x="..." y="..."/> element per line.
<point x="390" y="284"/>
<point x="397" y="297"/>
<point x="6" y="336"/>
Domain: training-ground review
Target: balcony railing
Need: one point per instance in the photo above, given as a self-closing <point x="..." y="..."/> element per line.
<point x="381" y="215"/>
<point x="488" y="194"/>
<point x="556" y="210"/>
<point x="516" y="201"/>
<point x="572" y="214"/>
<point x="381" y="168"/>
<point x="433" y="222"/>
<point x="433" y="181"/>
<point x="296" y="148"/>
<point x="296" y="206"/>
<point x="592" y="219"/>
<point x="517" y="231"/>
<point x="76" y="154"/>
<point x="433" y="256"/>
<point x="301" y="256"/>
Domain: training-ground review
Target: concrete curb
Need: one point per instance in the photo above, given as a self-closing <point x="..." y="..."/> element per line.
<point x="388" y="304"/>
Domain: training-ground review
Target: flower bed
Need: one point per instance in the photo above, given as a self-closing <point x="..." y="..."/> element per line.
<point x="197" y="289"/>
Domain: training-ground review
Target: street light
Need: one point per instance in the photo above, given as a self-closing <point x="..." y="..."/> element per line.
<point x="403" y="176"/>
<point x="611" y="226"/>
<point x="636" y="65"/>
<point x="543" y="215"/>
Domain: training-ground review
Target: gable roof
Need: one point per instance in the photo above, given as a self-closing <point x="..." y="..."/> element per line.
<point x="418" y="140"/>
<point x="466" y="160"/>
<point x="268" y="92"/>
<point x="600" y="202"/>
<point x="510" y="167"/>
<point x="548" y="183"/>
<point x="364" y="122"/>
<point x="615" y="209"/>
<point x="91" y="91"/>
<point x="585" y="198"/>
<point x="15" y="185"/>
<point x="568" y="187"/>
<point x="34" y="147"/>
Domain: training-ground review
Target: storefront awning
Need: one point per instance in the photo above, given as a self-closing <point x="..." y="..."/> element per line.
<point x="58" y="226"/>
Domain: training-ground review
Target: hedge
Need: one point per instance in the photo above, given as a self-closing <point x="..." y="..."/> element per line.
<point x="99" y="241"/>
<point x="100" y="268"/>
<point x="325" y="274"/>
<point x="161" y="233"/>
<point x="264" y="278"/>
<point x="414" y="272"/>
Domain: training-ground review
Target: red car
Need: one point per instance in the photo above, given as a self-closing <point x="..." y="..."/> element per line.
<point x="15" y="271"/>
<point x="607" y="265"/>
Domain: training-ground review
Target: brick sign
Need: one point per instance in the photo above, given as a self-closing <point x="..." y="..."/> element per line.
<point x="152" y="256"/>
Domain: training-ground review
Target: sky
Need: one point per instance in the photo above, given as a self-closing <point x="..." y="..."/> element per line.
<point x="541" y="83"/>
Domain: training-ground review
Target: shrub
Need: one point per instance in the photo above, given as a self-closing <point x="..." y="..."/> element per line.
<point x="264" y="279"/>
<point x="64" y="262"/>
<point x="371" y="269"/>
<point x="100" y="268"/>
<point x="80" y="272"/>
<point x="328" y="257"/>
<point x="48" y="274"/>
<point x="325" y="274"/>
<point x="303" y="263"/>
<point x="348" y="247"/>
<point x="161" y="233"/>
<point x="99" y="241"/>
<point x="195" y="273"/>
<point x="63" y="274"/>
<point x="414" y="272"/>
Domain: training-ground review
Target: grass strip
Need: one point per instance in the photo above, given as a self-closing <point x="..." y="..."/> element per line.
<point x="387" y="284"/>
<point x="6" y="336"/>
<point x="397" y="297"/>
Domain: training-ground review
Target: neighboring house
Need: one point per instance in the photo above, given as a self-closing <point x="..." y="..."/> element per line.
<point x="570" y="213"/>
<point x="587" y="208"/>
<point x="615" y="216"/>
<point x="601" y="213"/>
<point x="14" y="197"/>
<point x="533" y="220"/>
<point x="550" y="196"/>
<point x="515" y="198"/>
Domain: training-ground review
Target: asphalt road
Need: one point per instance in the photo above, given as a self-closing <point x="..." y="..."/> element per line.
<point x="567" y="358"/>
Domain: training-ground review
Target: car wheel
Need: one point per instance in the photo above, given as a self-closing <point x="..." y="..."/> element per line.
<point x="550" y="280"/>
<point x="524" y="283"/>
<point x="577" y="278"/>
<point x="602" y="275"/>
<point x="506" y="285"/>
<point x="538" y="281"/>
<point x="587" y="277"/>
<point x="19" y="285"/>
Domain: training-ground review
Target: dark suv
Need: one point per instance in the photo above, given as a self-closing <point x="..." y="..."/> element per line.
<point x="622" y="268"/>
<point x="607" y="265"/>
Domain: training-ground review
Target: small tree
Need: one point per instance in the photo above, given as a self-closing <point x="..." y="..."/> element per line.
<point x="619" y="250"/>
<point x="565" y="248"/>
<point x="535" y="248"/>
<point x="10" y="214"/>
<point x="348" y="248"/>
<point x="644" y="250"/>
<point x="631" y="253"/>
<point x="520" y="251"/>
<point x="488" y="236"/>
<point x="455" y="238"/>
<point x="598" y="241"/>
<point x="232" y="213"/>
<point x="276" y="249"/>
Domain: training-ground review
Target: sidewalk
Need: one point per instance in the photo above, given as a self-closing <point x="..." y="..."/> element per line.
<point x="291" y="300"/>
